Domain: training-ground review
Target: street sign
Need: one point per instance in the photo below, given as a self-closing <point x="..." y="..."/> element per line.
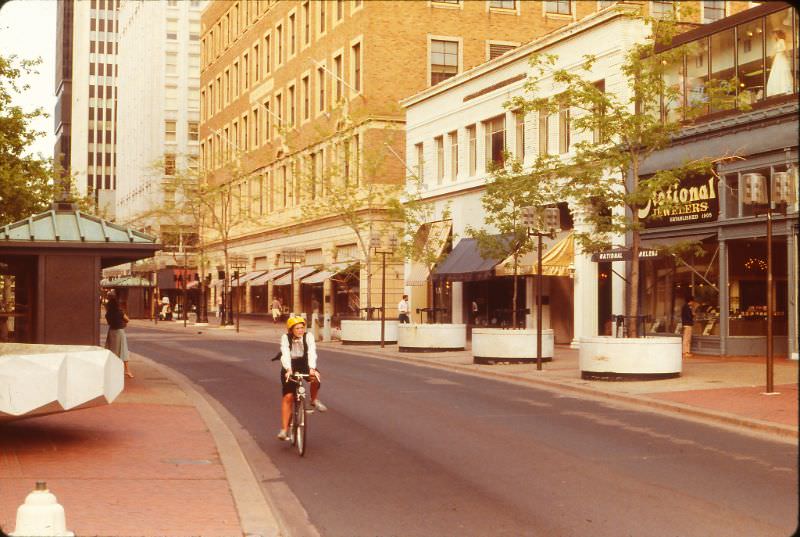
<point x="622" y="254"/>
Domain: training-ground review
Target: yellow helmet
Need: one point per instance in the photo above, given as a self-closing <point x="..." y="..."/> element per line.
<point x="291" y="321"/>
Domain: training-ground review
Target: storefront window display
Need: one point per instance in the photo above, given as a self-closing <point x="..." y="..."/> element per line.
<point x="668" y="281"/>
<point x="747" y="276"/>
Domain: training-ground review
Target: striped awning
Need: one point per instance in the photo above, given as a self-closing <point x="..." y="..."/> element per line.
<point x="235" y="282"/>
<point x="430" y="246"/>
<point x="325" y="274"/>
<point x="299" y="274"/>
<point x="557" y="257"/>
<point x="266" y="277"/>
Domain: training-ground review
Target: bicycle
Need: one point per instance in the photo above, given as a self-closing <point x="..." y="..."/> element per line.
<point x="297" y="421"/>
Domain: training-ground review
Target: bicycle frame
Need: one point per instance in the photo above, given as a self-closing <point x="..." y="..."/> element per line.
<point x="297" y="422"/>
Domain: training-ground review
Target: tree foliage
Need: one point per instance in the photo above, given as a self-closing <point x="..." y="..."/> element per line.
<point x="617" y="131"/>
<point x="27" y="182"/>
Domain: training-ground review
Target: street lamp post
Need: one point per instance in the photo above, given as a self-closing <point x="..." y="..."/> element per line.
<point x="293" y="256"/>
<point x="237" y="264"/>
<point x="375" y="243"/>
<point x="766" y="195"/>
<point x="541" y="222"/>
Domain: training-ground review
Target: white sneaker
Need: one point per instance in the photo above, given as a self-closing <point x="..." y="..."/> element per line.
<point x="319" y="406"/>
<point x="283" y="435"/>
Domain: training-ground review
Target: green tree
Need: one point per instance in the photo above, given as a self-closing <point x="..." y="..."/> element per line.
<point x="617" y="132"/>
<point x="27" y="182"/>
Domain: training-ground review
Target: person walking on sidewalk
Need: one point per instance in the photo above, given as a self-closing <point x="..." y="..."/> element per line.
<point x="687" y="320"/>
<point x="298" y="353"/>
<point x="116" y="340"/>
<point x="402" y="310"/>
<point x="276" y="309"/>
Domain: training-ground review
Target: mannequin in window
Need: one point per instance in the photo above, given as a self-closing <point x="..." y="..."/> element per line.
<point x="780" y="75"/>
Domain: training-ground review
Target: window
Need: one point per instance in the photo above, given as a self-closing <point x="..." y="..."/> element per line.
<point x="256" y="67"/>
<point x="519" y="131"/>
<point x="558" y="7"/>
<point x="193" y="129"/>
<point x="472" y="135"/>
<point x="602" y="4"/>
<point x="498" y="49"/>
<point x="444" y="60"/>
<point x="713" y="10"/>
<point x="172" y="63"/>
<point x="235" y="79"/>
<point x="598" y="136"/>
<point x="337" y="69"/>
<point x="172" y="29"/>
<point x="267" y="121"/>
<point x="544" y="124"/>
<point x="245" y="71"/>
<point x="453" y="139"/>
<point x="256" y="125"/>
<point x="226" y="86"/>
<point x="339" y="10"/>
<point x="306" y="23"/>
<point x="321" y="17"/>
<point x="355" y="56"/>
<point x="563" y="129"/>
<point x="306" y="98"/>
<point x="495" y="130"/>
<point x="503" y="4"/>
<point x="321" y="88"/>
<point x="279" y="44"/>
<point x="661" y="9"/>
<point x="171" y="97"/>
<point x="292" y="106"/>
<point x="169" y="164"/>
<point x="439" y="141"/>
<point x="267" y="55"/>
<point x="245" y="133"/>
<point x="292" y="35"/>
<point x="420" y="151"/>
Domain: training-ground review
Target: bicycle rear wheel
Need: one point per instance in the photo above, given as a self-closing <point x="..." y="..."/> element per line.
<point x="299" y="432"/>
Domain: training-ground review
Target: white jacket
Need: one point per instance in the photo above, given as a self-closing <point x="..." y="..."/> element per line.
<point x="286" y="351"/>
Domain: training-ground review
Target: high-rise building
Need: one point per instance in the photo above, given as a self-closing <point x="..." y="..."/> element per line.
<point x="63" y="112"/>
<point x="94" y="97"/>
<point x="158" y="100"/>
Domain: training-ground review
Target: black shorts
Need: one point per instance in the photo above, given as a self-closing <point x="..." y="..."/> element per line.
<point x="298" y="366"/>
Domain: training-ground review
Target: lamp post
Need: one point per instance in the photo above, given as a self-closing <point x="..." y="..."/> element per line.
<point x="238" y="264"/>
<point x="293" y="256"/>
<point x="537" y="220"/>
<point x="375" y="243"/>
<point x="765" y="194"/>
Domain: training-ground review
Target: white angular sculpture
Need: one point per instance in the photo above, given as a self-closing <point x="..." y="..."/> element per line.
<point x="45" y="379"/>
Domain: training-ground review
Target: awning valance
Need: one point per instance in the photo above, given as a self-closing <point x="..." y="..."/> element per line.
<point x="465" y="263"/>
<point x="266" y="277"/>
<point x="299" y="274"/>
<point x="127" y="281"/>
<point x="325" y="274"/>
<point x="429" y="242"/>
<point x="557" y="257"/>
<point x="246" y="277"/>
<point x="665" y="243"/>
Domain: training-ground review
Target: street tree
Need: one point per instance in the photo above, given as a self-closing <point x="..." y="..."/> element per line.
<point x="617" y="131"/>
<point x="27" y="182"/>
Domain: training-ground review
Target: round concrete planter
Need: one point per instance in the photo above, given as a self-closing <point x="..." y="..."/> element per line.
<point x="518" y="346"/>
<point x="649" y="358"/>
<point x="357" y="332"/>
<point x="431" y="337"/>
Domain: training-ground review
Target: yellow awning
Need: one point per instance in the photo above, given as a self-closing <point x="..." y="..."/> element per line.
<point x="433" y="244"/>
<point x="556" y="259"/>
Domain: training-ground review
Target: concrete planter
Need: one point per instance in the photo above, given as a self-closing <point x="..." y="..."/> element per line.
<point x="358" y="332"/>
<point x="431" y="337"/>
<point x="649" y="358"/>
<point x="498" y="345"/>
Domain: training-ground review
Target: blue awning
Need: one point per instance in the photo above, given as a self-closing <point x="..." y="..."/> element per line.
<point x="465" y="263"/>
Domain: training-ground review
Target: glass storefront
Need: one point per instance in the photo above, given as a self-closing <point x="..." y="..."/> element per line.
<point x="760" y="56"/>
<point x="667" y="281"/>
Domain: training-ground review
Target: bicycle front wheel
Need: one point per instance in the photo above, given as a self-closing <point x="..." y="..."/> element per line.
<point x="299" y="435"/>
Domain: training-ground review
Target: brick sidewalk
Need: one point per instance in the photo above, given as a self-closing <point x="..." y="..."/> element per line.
<point x="145" y="465"/>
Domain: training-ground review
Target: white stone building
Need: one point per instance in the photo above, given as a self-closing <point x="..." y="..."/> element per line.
<point x="455" y="127"/>
<point x="158" y="99"/>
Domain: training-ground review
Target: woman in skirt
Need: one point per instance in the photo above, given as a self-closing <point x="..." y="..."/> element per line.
<point x="116" y="340"/>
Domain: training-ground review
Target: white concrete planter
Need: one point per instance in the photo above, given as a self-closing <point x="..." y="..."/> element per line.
<point x="431" y="337"/>
<point x="45" y="379"/>
<point x="498" y="345"/>
<point x="649" y="358"/>
<point x="358" y="332"/>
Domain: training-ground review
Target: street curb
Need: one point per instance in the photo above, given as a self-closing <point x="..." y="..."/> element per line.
<point x="257" y="514"/>
<point x="774" y="431"/>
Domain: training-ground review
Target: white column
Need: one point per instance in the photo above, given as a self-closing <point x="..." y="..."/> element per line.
<point x="457" y="294"/>
<point x="584" y="286"/>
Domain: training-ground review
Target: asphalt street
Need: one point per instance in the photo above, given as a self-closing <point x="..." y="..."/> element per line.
<point x="413" y="451"/>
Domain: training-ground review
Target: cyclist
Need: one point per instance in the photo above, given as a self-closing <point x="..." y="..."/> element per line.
<point x="298" y="354"/>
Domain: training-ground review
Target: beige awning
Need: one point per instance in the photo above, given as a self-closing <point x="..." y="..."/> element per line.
<point x="325" y="274"/>
<point x="430" y="240"/>
<point x="244" y="278"/>
<point x="557" y="257"/>
<point x="299" y="274"/>
<point x="268" y="277"/>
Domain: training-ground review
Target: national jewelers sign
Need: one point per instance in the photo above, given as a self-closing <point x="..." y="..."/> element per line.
<point x="694" y="200"/>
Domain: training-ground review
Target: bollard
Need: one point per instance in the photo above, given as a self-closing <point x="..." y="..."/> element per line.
<point x="41" y="515"/>
<point x="326" y="327"/>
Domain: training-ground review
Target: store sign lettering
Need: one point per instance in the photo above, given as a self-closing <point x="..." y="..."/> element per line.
<point x="691" y="201"/>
